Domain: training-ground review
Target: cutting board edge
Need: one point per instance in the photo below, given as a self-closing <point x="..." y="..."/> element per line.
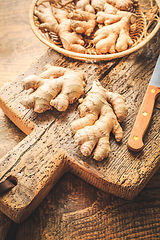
<point x="22" y="123"/>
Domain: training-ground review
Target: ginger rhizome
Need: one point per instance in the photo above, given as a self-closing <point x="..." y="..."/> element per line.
<point x="125" y="5"/>
<point x="85" y="6"/>
<point x="57" y="87"/>
<point x="70" y="39"/>
<point x="57" y="21"/>
<point x="114" y="36"/>
<point x="106" y="22"/>
<point x="98" y="120"/>
<point x="47" y="19"/>
<point x="83" y="22"/>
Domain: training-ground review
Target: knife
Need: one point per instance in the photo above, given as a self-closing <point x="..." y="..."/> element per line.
<point x="135" y="142"/>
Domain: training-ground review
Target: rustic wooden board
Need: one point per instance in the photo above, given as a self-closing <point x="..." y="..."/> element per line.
<point x="49" y="151"/>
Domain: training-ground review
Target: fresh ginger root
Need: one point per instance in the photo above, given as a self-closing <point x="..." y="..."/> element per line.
<point x="85" y="6"/>
<point x="72" y="28"/>
<point x="69" y="84"/>
<point x="91" y="131"/>
<point x="124" y="5"/>
<point x="70" y="39"/>
<point x="112" y="15"/>
<point x="98" y="5"/>
<point x="115" y="35"/>
<point x="83" y="22"/>
<point x="58" y="22"/>
<point x="47" y="19"/>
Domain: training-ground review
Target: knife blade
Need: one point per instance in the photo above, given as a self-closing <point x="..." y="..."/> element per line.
<point x="135" y="142"/>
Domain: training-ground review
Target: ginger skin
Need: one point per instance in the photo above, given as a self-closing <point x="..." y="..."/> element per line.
<point x="57" y="87"/>
<point x="81" y="4"/>
<point x="85" y="6"/>
<point x="114" y="37"/>
<point x="113" y="15"/>
<point x="72" y="28"/>
<point x="83" y="22"/>
<point x="57" y="21"/>
<point x="47" y="19"/>
<point x="89" y="130"/>
<point x="98" y="5"/>
<point x="124" y="5"/>
<point x="70" y="40"/>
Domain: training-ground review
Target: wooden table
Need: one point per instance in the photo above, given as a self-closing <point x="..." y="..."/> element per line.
<point x="73" y="209"/>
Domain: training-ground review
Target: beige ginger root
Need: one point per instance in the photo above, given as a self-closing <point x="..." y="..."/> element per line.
<point x="83" y="22"/>
<point x="57" y="21"/>
<point x="70" y="39"/>
<point x="57" y="87"/>
<point x="125" y="5"/>
<point x="91" y="131"/>
<point x="47" y="19"/>
<point x="112" y="15"/>
<point x="85" y="6"/>
<point x="114" y="37"/>
<point x="98" y="5"/>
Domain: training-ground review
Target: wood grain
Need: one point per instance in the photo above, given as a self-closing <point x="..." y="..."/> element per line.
<point x="74" y="209"/>
<point x="37" y="161"/>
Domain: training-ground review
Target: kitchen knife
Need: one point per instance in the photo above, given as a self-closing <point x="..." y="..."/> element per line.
<point x="135" y="142"/>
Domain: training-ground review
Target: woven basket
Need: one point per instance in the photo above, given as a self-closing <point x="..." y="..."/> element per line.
<point x="145" y="27"/>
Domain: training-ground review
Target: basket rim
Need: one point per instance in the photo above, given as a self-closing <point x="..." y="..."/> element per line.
<point x="89" y="57"/>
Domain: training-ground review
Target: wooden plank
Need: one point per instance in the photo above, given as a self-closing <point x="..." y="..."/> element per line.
<point x="74" y="209"/>
<point x="40" y="159"/>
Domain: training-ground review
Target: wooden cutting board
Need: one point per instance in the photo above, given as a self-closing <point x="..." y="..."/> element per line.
<point x="48" y="151"/>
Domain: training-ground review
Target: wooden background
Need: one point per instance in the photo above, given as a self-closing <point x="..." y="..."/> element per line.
<point x="73" y="209"/>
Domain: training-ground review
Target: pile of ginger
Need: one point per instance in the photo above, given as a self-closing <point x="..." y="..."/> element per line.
<point x="100" y="111"/>
<point x="106" y="23"/>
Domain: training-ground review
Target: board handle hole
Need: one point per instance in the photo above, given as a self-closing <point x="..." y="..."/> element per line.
<point x="13" y="180"/>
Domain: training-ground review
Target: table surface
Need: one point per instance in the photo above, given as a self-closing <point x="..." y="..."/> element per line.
<point x="73" y="209"/>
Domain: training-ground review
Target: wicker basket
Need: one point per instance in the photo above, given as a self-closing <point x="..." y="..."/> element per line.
<point x="145" y="27"/>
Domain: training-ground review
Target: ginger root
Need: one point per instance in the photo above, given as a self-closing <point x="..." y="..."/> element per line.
<point x="98" y="5"/>
<point x="69" y="84"/>
<point x="98" y="120"/>
<point x="85" y="6"/>
<point x="115" y="35"/>
<point x="83" y="22"/>
<point x="57" y="21"/>
<point x="112" y="15"/>
<point x="104" y="21"/>
<point x="70" y="39"/>
<point x="124" y="5"/>
<point x="47" y="19"/>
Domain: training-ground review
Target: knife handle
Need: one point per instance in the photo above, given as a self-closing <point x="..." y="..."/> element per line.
<point x="135" y="142"/>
